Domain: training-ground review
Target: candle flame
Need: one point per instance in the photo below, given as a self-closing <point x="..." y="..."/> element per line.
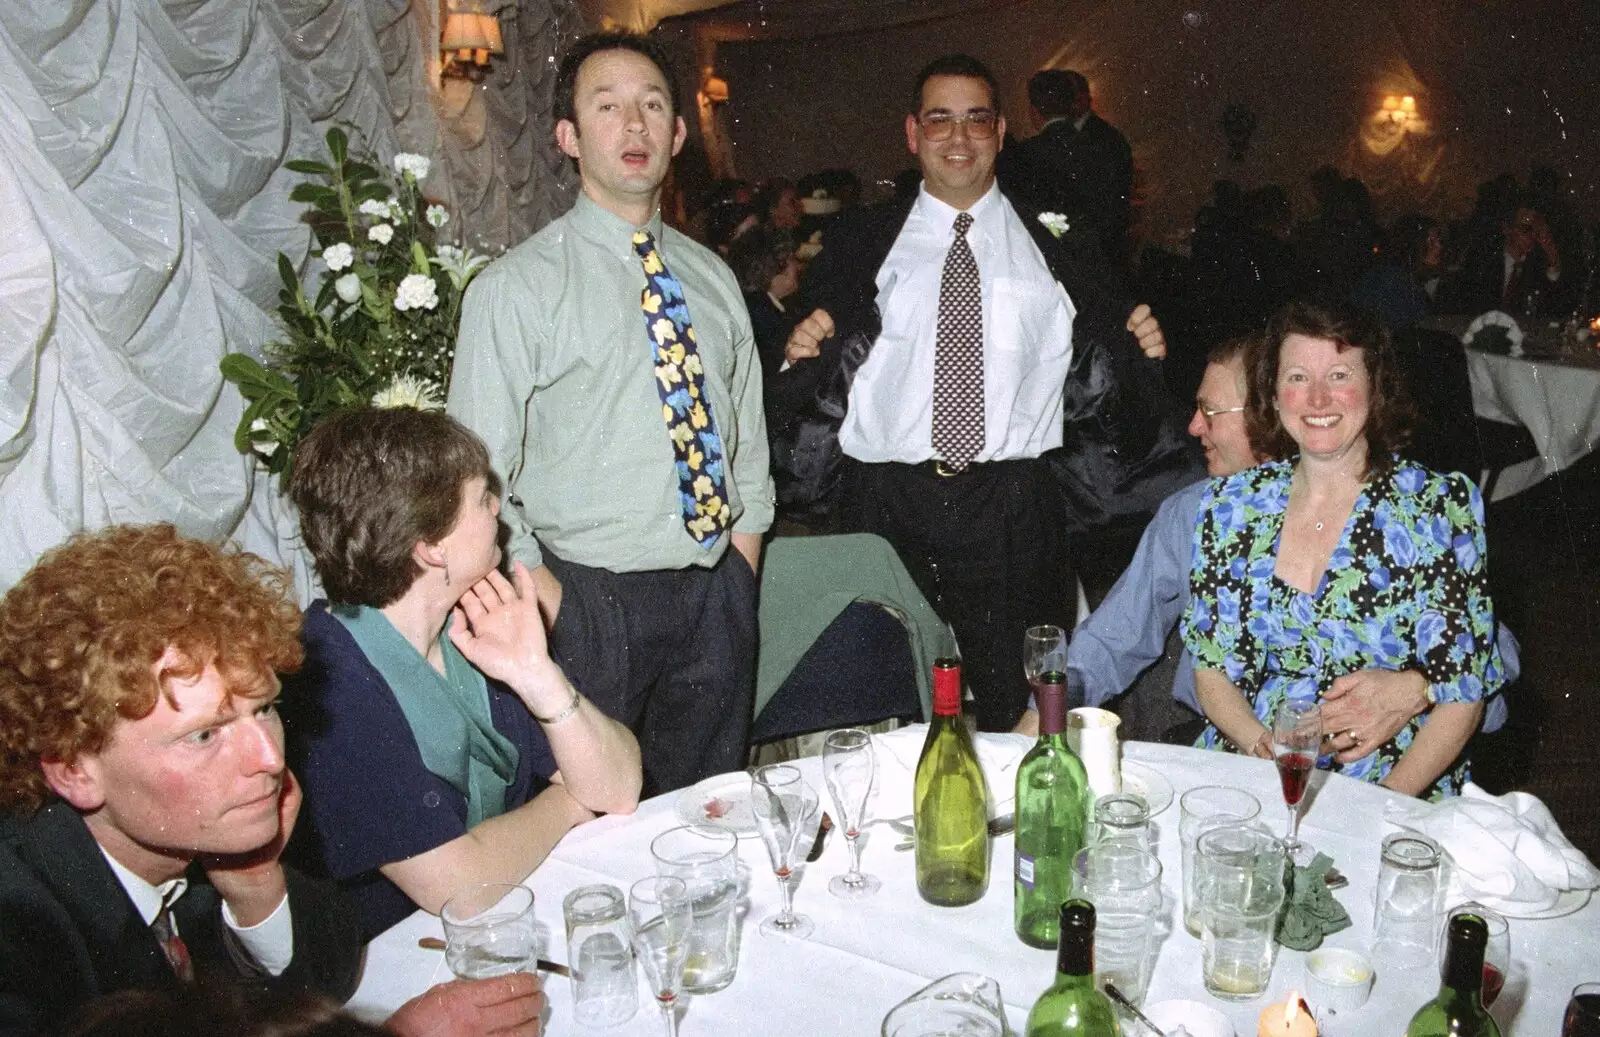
<point x="1291" y="1008"/>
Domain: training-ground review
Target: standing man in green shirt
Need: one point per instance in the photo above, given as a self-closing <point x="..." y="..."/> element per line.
<point x="609" y="365"/>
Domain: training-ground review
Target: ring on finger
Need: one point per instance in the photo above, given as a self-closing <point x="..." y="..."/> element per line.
<point x="1355" y="737"/>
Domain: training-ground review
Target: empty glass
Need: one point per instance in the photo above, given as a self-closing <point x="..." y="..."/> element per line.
<point x="1405" y="926"/>
<point x="1124" y="885"/>
<point x="1203" y="807"/>
<point x="488" y="930"/>
<point x="1239" y="885"/>
<point x="848" y="766"/>
<point x="786" y="810"/>
<point x="963" y="1004"/>
<point x="707" y="860"/>
<point x="604" y="986"/>
<point x="661" y="917"/>
<point x="1122" y="817"/>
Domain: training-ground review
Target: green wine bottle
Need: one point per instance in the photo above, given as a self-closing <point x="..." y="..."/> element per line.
<point x="1073" y="1005"/>
<point x="951" y="800"/>
<point x="1458" y="1010"/>
<point x="1053" y="805"/>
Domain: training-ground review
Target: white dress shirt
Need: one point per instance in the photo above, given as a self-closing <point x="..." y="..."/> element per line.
<point x="270" y="941"/>
<point x="1027" y="339"/>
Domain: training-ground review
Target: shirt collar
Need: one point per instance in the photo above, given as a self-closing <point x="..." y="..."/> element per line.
<point x="943" y="215"/>
<point x="607" y="229"/>
<point x="147" y="899"/>
<point x="1081" y="121"/>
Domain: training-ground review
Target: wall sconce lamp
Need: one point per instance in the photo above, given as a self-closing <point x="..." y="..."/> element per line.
<point x="1402" y="111"/>
<point x="468" y="37"/>
<point x="713" y="87"/>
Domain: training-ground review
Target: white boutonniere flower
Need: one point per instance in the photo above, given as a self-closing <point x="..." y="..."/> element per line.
<point x="1055" y="223"/>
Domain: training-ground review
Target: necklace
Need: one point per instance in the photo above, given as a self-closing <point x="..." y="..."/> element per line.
<point x="1319" y="527"/>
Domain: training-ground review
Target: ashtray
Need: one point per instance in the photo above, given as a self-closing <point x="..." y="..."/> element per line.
<point x="1338" y="980"/>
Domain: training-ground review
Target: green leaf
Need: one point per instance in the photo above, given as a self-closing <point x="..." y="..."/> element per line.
<point x="316" y="194"/>
<point x="301" y="165"/>
<point x="288" y="274"/>
<point x="369" y="192"/>
<point x="338" y="145"/>
<point x="361" y="171"/>
<point x="254" y="379"/>
<point x="419" y="257"/>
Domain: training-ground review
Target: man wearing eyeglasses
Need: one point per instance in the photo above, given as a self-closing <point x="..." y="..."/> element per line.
<point x="997" y="336"/>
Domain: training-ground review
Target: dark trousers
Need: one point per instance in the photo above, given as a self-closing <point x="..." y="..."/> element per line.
<point x="985" y="547"/>
<point x="671" y="654"/>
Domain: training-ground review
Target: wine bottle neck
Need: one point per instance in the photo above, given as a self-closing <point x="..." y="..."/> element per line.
<point x="1463" y="970"/>
<point x="946" y="689"/>
<point x="1051" y="698"/>
<point x="1075" y="956"/>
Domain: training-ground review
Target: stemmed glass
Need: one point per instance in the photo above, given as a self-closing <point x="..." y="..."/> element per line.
<point x="661" y="914"/>
<point x="1044" y="651"/>
<point x="848" y="766"/>
<point x="784" y="807"/>
<point x="1496" y="953"/>
<point x="1296" y="737"/>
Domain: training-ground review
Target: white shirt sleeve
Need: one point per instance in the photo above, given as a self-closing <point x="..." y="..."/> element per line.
<point x="270" y="941"/>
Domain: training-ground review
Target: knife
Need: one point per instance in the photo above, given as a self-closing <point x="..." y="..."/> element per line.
<point x="822" y="838"/>
<point x="433" y="943"/>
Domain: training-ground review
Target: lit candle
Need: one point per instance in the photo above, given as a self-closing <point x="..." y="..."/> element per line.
<point x="1292" y="1018"/>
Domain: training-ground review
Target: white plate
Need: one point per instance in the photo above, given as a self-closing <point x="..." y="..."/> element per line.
<point x="1569" y="901"/>
<point x="1143" y="780"/>
<point x="720" y="802"/>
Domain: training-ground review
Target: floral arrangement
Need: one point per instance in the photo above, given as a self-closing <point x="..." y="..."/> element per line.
<point x="381" y="329"/>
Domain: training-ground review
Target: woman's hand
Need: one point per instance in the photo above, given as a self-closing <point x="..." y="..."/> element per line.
<point x="498" y="627"/>
<point x="1362" y="711"/>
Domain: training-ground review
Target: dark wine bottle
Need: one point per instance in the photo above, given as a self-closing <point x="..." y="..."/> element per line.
<point x="951" y="799"/>
<point x="1053" y="806"/>
<point x="1458" y="1010"/>
<point x="1072" y="1005"/>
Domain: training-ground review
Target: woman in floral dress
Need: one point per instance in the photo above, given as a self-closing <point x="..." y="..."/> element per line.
<point x="1343" y="558"/>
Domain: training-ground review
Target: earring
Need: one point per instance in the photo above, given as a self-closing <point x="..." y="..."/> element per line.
<point x="447" y="574"/>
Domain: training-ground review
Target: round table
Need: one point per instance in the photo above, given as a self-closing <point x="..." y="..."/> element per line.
<point x="866" y="956"/>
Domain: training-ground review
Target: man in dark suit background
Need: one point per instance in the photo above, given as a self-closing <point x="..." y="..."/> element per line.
<point x="145" y="799"/>
<point x="999" y="337"/>
<point x="1077" y="164"/>
<point x="1522" y="276"/>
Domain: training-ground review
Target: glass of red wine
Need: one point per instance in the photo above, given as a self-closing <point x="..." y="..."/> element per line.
<point x="1496" y="953"/>
<point x="1296" y="736"/>
<point x="1044" y="656"/>
<point x="1583" y="1012"/>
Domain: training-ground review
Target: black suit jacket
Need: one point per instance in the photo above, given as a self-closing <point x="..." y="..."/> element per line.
<point x="1087" y="175"/>
<point x="1123" y="448"/>
<point x="69" y="933"/>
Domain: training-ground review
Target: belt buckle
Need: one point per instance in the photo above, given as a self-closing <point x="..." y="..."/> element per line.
<point x="943" y="470"/>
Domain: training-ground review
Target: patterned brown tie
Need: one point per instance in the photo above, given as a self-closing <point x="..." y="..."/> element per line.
<point x="172" y="944"/>
<point x="958" y="356"/>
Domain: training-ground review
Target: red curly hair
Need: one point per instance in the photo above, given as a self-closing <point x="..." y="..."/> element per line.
<point x="82" y="633"/>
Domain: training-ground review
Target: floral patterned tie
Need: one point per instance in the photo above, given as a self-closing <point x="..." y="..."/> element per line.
<point x="680" y="379"/>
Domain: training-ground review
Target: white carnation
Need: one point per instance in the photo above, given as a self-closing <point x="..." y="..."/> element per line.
<point x="382" y="233"/>
<point x="375" y="207"/>
<point x="437" y="216"/>
<point x="406" y="391"/>
<point x="338" y="256"/>
<point x="348" y="288"/>
<point x="1056" y="223"/>
<point x="397" y="212"/>
<point x="416" y="166"/>
<point x="416" y="292"/>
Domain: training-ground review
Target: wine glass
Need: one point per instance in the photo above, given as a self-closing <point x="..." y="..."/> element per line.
<point x="784" y="806"/>
<point x="1583" y="1012"/>
<point x="848" y="766"/>
<point x="1044" y="650"/>
<point x="1296" y="736"/>
<point x="661" y="914"/>
<point x="1496" y="953"/>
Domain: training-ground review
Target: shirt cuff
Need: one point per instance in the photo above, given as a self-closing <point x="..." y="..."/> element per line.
<point x="270" y="941"/>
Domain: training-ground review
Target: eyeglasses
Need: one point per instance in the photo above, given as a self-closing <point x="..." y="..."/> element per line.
<point x="940" y="125"/>
<point x="1210" y="412"/>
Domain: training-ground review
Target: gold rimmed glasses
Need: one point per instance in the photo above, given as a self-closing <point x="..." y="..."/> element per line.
<point x="940" y="125"/>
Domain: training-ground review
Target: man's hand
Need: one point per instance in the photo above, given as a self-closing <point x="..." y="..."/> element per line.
<point x="252" y="883"/>
<point x="507" y="1006"/>
<point x="1147" y="330"/>
<point x="498" y="627"/>
<point x="805" y="341"/>
<point x="1363" y="710"/>
<point x="749" y="547"/>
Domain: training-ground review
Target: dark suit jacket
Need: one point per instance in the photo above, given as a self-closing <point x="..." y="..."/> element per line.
<point x="1124" y="448"/>
<point x="1481" y="286"/>
<point x="69" y="933"/>
<point x="1086" y="174"/>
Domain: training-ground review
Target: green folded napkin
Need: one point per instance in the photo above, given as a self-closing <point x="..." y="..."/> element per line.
<point x="1311" y="912"/>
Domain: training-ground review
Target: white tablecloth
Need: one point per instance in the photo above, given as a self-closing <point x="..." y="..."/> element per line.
<point x="868" y="955"/>
<point x="1556" y="399"/>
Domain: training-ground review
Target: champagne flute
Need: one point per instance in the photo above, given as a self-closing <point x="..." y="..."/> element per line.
<point x="848" y="766"/>
<point x="1044" y="651"/>
<point x="784" y="806"/>
<point x="661" y="914"/>
<point x="1296" y="736"/>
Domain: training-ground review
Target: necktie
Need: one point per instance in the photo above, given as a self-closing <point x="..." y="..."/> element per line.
<point x="1508" y="294"/>
<point x="680" y="379"/>
<point x="172" y="944"/>
<point x="958" y="356"/>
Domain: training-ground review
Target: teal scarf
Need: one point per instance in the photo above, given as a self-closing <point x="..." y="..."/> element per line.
<point x="449" y="715"/>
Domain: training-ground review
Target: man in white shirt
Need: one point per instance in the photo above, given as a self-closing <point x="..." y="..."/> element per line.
<point x="992" y="333"/>
<point x="145" y="799"/>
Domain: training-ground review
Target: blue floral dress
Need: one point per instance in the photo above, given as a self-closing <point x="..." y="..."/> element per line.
<point x="1406" y="588"/>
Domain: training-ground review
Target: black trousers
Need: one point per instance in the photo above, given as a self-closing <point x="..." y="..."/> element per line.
<point x="671" y="654"/>
<point x="985" y="547"/>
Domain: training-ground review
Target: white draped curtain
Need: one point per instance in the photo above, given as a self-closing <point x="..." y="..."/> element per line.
<point x="143" y="203"/>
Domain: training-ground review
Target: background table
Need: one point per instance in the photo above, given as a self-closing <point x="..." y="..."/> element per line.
<point x="866" y="956"/>
<point x="1556" y="398"/>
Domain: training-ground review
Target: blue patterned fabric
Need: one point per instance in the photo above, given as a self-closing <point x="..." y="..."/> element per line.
<point x="1406" y="588"/>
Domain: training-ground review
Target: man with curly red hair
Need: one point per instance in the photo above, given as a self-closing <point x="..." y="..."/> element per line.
<point x="144" y="800"/>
